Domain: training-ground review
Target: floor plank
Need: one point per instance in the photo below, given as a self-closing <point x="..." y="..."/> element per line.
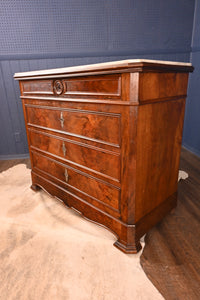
<point x="6" y="164"/>
<point x="171" y="257"/>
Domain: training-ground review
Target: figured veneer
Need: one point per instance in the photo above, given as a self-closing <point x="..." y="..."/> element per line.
<point x="90" y="124"/>
<point x="106" y="139"/>
<point x="108" y="87"/>
<point x="43" y="87"/>
<point x="93" y="158"/>
<point x="99" y="190"/>
<point x="165" y="85"/>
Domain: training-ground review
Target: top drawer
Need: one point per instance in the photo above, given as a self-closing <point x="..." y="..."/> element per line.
<point x="95" y="87"/>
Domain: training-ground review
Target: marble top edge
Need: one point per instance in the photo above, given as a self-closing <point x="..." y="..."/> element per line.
<point x="105" y="65"/>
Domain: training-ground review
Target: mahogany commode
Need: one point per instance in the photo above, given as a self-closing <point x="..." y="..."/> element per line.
<point x="106" y="140"/>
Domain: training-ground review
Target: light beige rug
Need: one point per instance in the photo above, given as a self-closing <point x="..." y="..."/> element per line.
<point x="48" y="251"/>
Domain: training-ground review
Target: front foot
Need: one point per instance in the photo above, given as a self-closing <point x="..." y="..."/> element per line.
<point x="128" y="249"/>
<point x="35" y="187"/>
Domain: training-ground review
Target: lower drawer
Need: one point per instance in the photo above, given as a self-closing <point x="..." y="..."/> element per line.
<point x="105" y="162"/>
<point x="98" y="191"/>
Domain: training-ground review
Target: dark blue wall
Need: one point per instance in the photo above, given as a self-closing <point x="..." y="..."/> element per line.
<point x="50" y="33"/>
<point x="191" y="136"/>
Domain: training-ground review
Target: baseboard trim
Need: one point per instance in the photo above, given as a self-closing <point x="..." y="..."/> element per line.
<point x="14" y="156"/>
<point x="191" y="149"/>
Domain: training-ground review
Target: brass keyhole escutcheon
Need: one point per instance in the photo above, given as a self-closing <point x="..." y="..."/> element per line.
<point x="62" y="120"/>
<point x="66" y="175"/>
<point x="64" y="149"/>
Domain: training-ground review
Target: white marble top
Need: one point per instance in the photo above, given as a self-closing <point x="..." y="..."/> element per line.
<point x="107" y="65"/>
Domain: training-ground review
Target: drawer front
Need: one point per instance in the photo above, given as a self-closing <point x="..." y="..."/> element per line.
<point x="93" y="86"/>
<point x="96" y="159"/>
<point x="37" y="87"/>
<point x="93" y="125"/>
<point x="78" y="181"/>
<point x="96" y="87"/>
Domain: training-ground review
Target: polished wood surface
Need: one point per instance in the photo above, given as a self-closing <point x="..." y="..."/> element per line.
<point x="76" y="181"/>
<point x="160" y="125"/>
<point x="163" y="85"/>
<point x="100" y="161"/>
<point x="99" y="87"/>
<point x="86" y="124"/>
<point x="109" y="145"/>
<point x="171" y="257"/>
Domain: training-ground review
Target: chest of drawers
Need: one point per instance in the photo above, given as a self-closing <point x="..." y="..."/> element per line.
<point x="106" y="138"/>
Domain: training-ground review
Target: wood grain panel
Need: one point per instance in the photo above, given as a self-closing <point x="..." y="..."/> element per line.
<point x="94" y="125"/>
<point x="94" y="86"/>
<point x="37" y="87"/>
<point x="85" y="107"/>
<point x="94" y="158"/>
<point x="82" y="182"/>
<point x="158" y="152"/>
<point x="162" y="85"/>
<point x="88" y="86"/>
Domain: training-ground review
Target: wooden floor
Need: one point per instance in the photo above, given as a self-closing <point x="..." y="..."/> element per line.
<point x="171" y="257"/>
<point x="6" y="164"/>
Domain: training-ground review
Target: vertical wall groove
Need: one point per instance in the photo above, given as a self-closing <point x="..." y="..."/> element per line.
<point x="191" y="134"/>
